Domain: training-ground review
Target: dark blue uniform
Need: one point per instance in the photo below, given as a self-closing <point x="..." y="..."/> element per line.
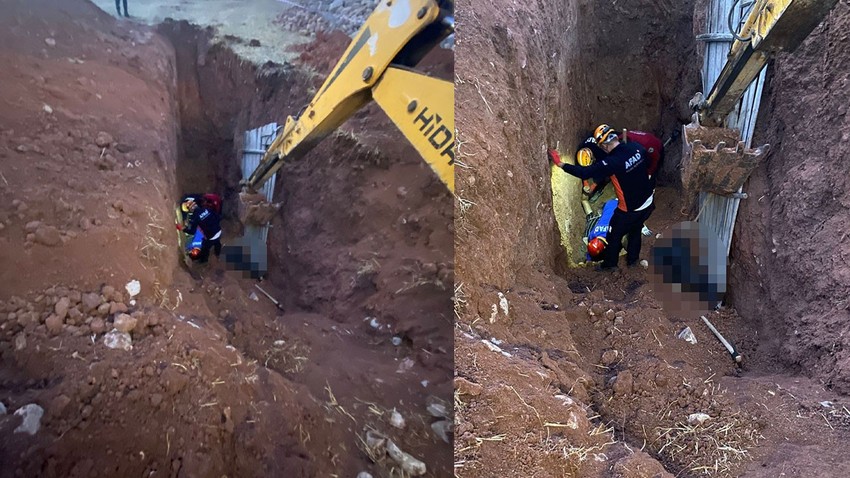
<point x="627" y="165"/>
<point x="210" y="224"/>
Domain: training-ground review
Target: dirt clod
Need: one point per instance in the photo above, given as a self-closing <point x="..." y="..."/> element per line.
<point x="125" y="323"/>
<point x="54" y="324"/>
<point x="103" y="139"/>
<point x="48" y="236"/>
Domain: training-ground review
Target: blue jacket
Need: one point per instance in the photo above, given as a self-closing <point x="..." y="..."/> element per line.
<point x="603" y="224"/>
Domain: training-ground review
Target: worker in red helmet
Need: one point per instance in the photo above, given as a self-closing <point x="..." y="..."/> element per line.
<point x="596" y="231"/>
<point x="209" y="223"/>
<point x="627" y="165"/>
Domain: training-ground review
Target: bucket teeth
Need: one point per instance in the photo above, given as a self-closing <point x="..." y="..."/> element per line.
<point x="709" y="165"/>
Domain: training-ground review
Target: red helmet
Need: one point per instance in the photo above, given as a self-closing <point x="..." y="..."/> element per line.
<point x="596" y="246"/>
<point x="194" y="253"/>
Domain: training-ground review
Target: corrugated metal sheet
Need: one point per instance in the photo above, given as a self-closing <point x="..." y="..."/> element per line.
<point x="254" y="146"/>
<point x="720" y="212"/>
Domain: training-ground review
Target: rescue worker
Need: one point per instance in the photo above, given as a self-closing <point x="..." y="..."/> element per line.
<point x="588" y="152"/>
<point x="596" y="231"/>
<point x="627" y="166"/>
<point x="210" y="224"/>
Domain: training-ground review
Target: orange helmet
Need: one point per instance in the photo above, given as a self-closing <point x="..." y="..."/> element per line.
<point x="194" y="253"/>
<point x="604" y="134"/>
<point x="596" y="246"/>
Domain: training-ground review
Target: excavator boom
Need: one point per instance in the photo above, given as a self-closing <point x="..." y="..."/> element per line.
<point x="376" y="66"/>
<point x="714" y="158"/>
<point x="772" y="26"/>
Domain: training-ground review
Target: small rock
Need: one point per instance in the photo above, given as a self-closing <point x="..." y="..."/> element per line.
<point x="117" y="307"/>
<point x="61" y="307"/>
<point x="90" y="301"/>
<point x="609" y="357"/>
<point x="610" y="314"/>
<point x="697" y="418"/>
<point x="103" y="139"/>
<point x="156" y="399"/>
<point x="85" y="224"/>
<point x="465" y="387"/>
<point x="31" y="415"/>
<point x="32" y="226"/>
<point x="364" y="474"/>
<point x="123" y="148"/>
<point x="397" y="420"/>
<point x="50" y="41"/>
<point x="125" y="323"/>
<point x="442" y="428"/>
<point x="107" y="163"/>
<point x="623" y="383"/>
<point x="58" y="405"/>
<point x="47" y="109"/>
<point x="118" y="340"/>
<point x="437" y="409"/>
<point x="133" y="288"/>
<point x="103" y="310"/>
<point x="97" y="326"/>
<point x="48" y="236"/>
<point x="2" y="409"/>
<point x="54" y="324"/>
<point x="75" y="316"/>
<point x="20" y="341"/>
<point x="86" y="411"/>
<point x="644" y="263"/>
<point x="408" y="463"/>
<point x="254" y="42"/>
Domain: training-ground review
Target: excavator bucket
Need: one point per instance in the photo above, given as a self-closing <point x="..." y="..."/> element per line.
<point x="716" y="160"/>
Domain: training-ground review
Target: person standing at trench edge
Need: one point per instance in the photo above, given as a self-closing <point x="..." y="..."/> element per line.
<point x="118" y="7"/>
<point x="627" y="165"/>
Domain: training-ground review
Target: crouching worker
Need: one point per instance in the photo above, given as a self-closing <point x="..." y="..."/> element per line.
<point x="626" y="164"/>
<point x="193" y="247"/>
<point x="208" y="223"/>
<point x="596" y="231"/>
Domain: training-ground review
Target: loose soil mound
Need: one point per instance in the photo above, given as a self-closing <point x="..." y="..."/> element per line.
<point x="219" y="381"/>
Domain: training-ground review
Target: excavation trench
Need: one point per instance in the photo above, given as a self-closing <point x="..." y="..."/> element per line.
<point x="219" y="381"/>
<point x="360" y="255"/>
<point x="544" y="76"/>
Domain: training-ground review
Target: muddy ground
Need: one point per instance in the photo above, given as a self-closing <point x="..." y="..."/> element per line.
<point x="104" y="124"/>
<point x="563" y="372"/>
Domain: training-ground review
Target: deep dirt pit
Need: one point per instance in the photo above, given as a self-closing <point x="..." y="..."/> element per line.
<point x="582" y="375"/>
<point x="216" y="383"/>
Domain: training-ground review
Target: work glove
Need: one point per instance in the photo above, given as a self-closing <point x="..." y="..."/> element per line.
<point x="179" y="227"/>
<point x="555" y="158"/>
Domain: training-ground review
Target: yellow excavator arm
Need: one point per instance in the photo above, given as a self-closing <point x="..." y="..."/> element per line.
<point x="771" y="26"/>
<point x="376" y="66"/>
<point x="714" y="159"/>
